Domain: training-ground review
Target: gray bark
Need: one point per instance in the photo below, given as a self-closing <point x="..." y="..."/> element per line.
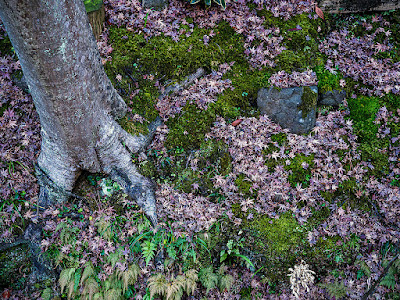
<point x="75" y="100"/>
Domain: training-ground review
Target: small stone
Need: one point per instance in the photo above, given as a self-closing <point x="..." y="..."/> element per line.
<point x="332" y="98"/>
<point x="156" y="4"/>
<point x="292" y="108"/>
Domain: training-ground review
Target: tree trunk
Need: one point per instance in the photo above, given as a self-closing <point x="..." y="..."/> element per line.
<point x="75" y="100"/>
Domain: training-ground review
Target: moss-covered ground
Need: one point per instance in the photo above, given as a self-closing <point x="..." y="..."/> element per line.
<point x="191" y="158"/>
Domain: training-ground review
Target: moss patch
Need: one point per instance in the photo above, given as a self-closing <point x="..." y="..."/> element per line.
<point x="363" y="112"/>
<point x="189" y="128"/>
<point x="300" y="170"/>
<point x="327" y="81"/>
<point x="309" y="100"/>
<point x="14" y="260"/>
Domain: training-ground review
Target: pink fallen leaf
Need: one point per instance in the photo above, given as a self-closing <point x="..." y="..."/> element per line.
<point x="237" y="122"/>
<point x="319" y="12"/>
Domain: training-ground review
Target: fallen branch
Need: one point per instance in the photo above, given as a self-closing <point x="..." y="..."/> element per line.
<point x="383" y="274"/>
<point x="172" y="89"/>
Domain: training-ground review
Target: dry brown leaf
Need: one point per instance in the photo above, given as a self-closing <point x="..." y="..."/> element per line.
<point x="237" y="122"/>
<point x="319" y="12"/>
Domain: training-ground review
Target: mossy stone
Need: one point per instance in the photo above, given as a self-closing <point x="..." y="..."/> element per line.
<point x="309" y="100"/>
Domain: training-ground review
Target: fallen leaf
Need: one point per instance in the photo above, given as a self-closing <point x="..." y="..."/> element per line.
<point x="319" y="12"/>
<point x="6" y="294"/>
<point x="237" y="122"/>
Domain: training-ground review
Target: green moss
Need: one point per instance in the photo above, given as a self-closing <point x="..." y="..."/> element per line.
<point x="272" y="163"/>
<point x="6" y="47"/>
<point x="280" y="138"/>
<point x="377" y="156"/>
<point x="347" y="195"/>
<point x="363" y="112"/>
<point x="174" y="167"/>
<point x="244" y="186"/>
<point x="246" y="85"/>
<point x="298" y="174"/>
<point x="166" y="58"/>
<point x="14" y="260"/>
<point x="309" y="100"/>
<point x="277" y="239"/>
<point x="391" y="101"/>
<point x="300" y="39"/>
<point x="290" y="61"/>
<point x="279" y="235"/>
<point x="134" y="128"/>
<point x="327" y="81"/>
<point x="189" y="128"/>
<point x="318" y="216"/>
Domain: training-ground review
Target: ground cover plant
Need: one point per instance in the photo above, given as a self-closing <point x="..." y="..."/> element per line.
<point x="247" y="209"/>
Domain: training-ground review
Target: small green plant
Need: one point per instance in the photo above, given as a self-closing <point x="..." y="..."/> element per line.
<point x="364" y="270"/>
<point x="394" y="271"/>
<point x="233" y="249"/>
<point x="108" y="187"/>
<point x="148" y="250"/>
<point x="210" y="280"/>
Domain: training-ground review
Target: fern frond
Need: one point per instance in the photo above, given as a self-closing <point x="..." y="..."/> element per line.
<point x="112" y="282"/>
<point x="397" y="264"/>
<point x="91" y="287"/>
<point x="98" y="296"/>
<point x="365" y="269"/>
<point x="148" y="250"/>
<point x="60" y="256"/>
<point x="336" y="289"/>
<point x="174" y="288"/>
<point x="129" y="276"/>
<point x="112" y="258"/>
<point x="208" y="278"/>
<point x="222" y="269"/>
<point x="66" y="277"/>
<point x="87" y="272"/>
<point x="104" y="228"/>
<point x="178" y="295"/>
<point x="189" y="281"/>
<point x="67" y="234"/>
<point x="61" y="225"/>
<point x="71" y="286"/>
<point x="390" y="279"/>
<point x="113" y="294"/>
<point x="226" y="282"/>
<point x="157" y="285"/>
<point x="47" y="294"/>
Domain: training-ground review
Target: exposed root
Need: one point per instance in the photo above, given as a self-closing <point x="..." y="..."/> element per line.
<point x="112" y="156"/>
<point x="114" y="152"/>
<point x="138" y="143"/>
<point x="118" y="106"/>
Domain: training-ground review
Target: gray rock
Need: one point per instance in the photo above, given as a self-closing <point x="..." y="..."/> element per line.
<point x="292" y="108"/>
<point x="332" y="98"/>
<point x="156" y="4"/>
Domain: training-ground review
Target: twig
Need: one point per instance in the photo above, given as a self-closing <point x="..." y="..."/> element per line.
<point x="178" y="86"/>
<point x="188" y="160"/>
